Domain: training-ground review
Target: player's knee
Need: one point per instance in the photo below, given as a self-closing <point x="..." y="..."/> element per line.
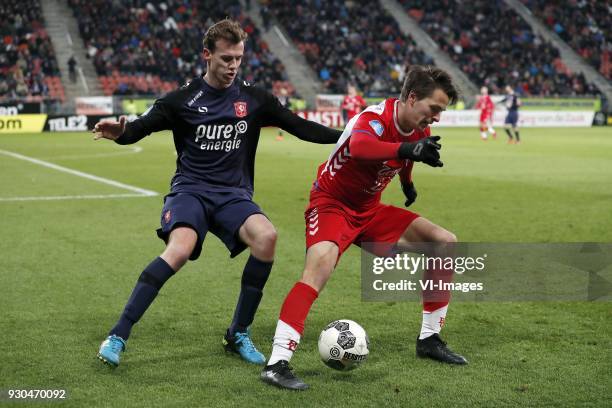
<point x="450" y="237"/>
<point x="270" y="237"/>
<point x="267" y="238"/>
<point x="320" y="263"/>
<point x="183" y="252"/>
<point x="316" y="275"/>
<point x="181" y="244"/>
<point x="177" y="255"/>
<point x="265" y="242"/>
<point x="324" y="265"/>
<point x="443" y="236"/>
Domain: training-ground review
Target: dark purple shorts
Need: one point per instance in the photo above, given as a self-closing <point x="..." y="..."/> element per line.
<point x="511" y="118"/>
<point x="221" y="213"/>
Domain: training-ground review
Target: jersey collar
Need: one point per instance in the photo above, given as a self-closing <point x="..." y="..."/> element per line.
<point x="397" y="127"/>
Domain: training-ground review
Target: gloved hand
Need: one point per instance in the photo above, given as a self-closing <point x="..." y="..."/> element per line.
<point x="425" y="150"/>
<point x="410" y="193"/>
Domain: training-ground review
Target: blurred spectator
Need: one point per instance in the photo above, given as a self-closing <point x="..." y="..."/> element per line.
<point x="264" y="11"/>
<point x="27" y="61"/>
<point x="584" y="24"/>
<point x="139" y="46"/>
<point x="72" y="68"/>
<point x="349" y="41"/>
<point x="494" y="46"/>
<point x="285" y="100"/>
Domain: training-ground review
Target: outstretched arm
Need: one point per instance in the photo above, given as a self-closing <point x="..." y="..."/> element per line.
<point x="156" y="118"/>
<point x="109" y="129"/>
<point x="278" y="115"/>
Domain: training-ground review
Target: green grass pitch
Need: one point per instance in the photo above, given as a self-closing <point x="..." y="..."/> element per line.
<point x="68" y="266"/>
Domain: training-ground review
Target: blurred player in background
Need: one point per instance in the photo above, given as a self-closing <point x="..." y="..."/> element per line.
<point x="487" y="107"/>
<point x="512" y="102"/>
<point x="352" y="104"/>
<point x="345" y="208"/>
<point x="285" y="101"/>
<point x="215" y="121"/>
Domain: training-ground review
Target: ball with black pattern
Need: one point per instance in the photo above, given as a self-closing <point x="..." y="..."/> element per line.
<point x="343" y="345"/>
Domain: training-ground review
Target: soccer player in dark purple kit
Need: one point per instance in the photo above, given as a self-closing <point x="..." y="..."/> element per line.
<point x="513" y="102"/>
<point x="216" y="121"/>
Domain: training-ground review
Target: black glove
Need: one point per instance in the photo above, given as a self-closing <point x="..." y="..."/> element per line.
<point x="425" y="150"/>
<point x="410" y="193"/>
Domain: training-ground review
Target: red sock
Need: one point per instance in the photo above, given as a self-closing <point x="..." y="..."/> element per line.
<point x="433" y="306"/>
<point x="297" y="304"/>
<point x="435" y="299"/>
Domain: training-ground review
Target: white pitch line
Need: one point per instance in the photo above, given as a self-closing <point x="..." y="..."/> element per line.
<point x="129" y="150"/>
<point x="147" y="193"/>
<point x="72" y="197"/>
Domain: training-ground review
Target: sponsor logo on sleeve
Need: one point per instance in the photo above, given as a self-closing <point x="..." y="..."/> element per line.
<point x="195" y="98"/>
<point x="377" y="126"/>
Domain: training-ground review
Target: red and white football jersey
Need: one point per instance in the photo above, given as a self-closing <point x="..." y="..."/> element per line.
<point x="359" y="183"/>
<point x="353" y="105"/>
<point x="486" y="106"/>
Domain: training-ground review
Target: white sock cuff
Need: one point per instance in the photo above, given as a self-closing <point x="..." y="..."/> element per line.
<point x="433" y="322"/>
<point x="285" y="331"/>
<point x="286" y="339"/>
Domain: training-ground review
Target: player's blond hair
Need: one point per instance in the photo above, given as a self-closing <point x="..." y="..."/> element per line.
<point x="227" y="29"/>
<point x="423" y="80"/>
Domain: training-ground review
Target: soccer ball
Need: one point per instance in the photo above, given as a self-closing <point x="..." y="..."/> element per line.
<point x="343" y="345"/>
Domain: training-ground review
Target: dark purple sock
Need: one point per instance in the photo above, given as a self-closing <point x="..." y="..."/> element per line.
<point x="254" y="279"/>
<point x="149" y="283"/>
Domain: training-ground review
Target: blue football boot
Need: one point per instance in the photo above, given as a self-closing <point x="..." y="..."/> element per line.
<point x="241" y="343"/>
<point x="110" y="350"/>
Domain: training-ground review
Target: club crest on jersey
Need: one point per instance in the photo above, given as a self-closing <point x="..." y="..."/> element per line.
<point x="377" y="126"/>
<point x="241" y="109"/>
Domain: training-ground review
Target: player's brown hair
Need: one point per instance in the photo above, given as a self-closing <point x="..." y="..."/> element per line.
<point x="423" y="80"/>
<point x="227" y="29"/>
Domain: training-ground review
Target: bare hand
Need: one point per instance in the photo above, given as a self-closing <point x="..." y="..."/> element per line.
<point x="109" y="129"/>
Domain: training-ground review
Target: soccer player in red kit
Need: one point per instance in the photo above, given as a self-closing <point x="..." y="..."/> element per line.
<point x="353" y="103"/>
<point x="345" y="208"/>
<point x="487" y="107"/>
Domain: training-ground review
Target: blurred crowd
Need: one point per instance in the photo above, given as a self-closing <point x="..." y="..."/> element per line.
<point x="347" y="42"/>
<point x="494" y="46"/>
<point x="27" y="61"/>
<point x="585" y="25"/>
<point x="140" y="46"/>
<point x="149" y="47"/>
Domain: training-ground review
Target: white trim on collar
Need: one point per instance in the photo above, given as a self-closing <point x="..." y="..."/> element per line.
<point x="401" y="132"/>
